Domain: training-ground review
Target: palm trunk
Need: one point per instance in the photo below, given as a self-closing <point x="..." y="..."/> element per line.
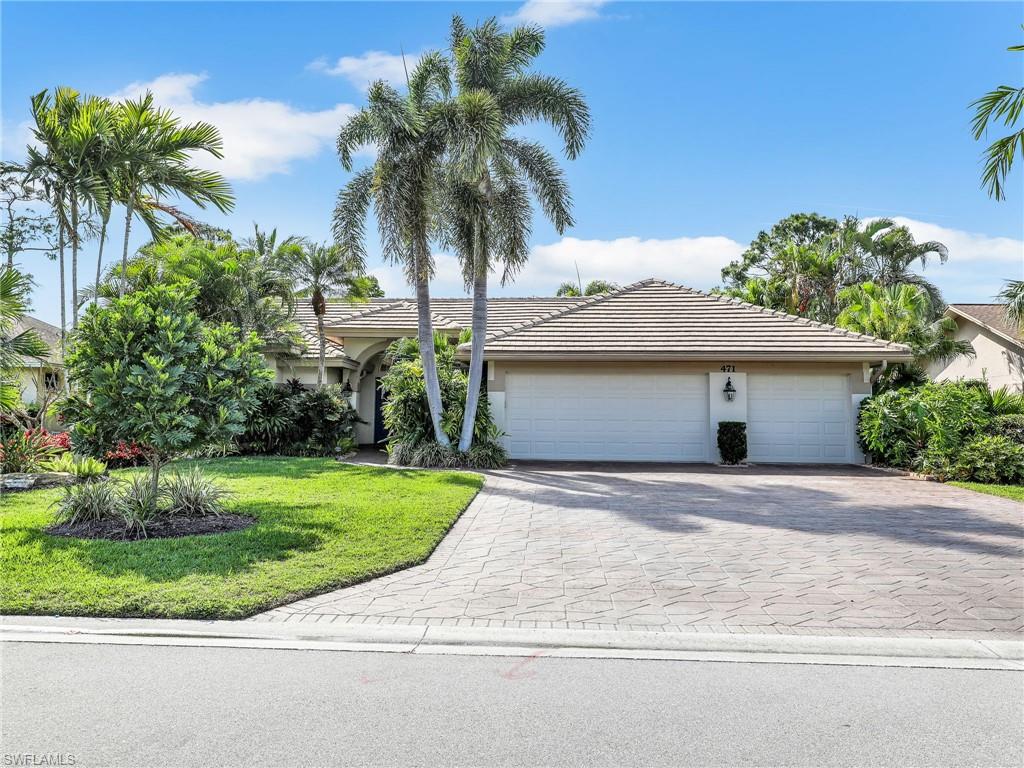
<point x="476" y="357"/>
<point x="323" y="351"/>
<point x="74" y="261"/>
<point x="425" y="332"/>
<point x="63" y="296"/>
<point x="129" y="212"/>
<point x="99" y="261"/>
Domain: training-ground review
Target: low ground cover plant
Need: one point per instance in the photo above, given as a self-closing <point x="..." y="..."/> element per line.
<point x="407" y="414"/>
<point x="950" y="430"/>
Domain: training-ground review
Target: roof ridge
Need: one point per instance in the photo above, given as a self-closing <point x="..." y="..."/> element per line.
<point x="585" y="301"/>
<point x="375" y="309"/>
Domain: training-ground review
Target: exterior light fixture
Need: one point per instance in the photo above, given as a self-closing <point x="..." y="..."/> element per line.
<point x="346" y="389"/>
<point x="730" y="390"/>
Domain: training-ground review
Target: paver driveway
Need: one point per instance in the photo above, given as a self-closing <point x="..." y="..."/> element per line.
<point x="698" y="548"/>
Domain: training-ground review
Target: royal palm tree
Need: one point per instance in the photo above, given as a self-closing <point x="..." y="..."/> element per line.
<point x="1003" y="104"/>
<point x="320" y="271"/>
<point x="402" y="186"/>
<point x="14" y="291"/>
<point x="154" y="150"/>
<point x="492" y="173"/>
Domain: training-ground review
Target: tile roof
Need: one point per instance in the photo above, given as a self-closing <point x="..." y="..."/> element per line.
<point x="450" y="314"/>
<point x="654" y="319"/>
<point x="50" y="334"/>
<point x="992" y="316"/>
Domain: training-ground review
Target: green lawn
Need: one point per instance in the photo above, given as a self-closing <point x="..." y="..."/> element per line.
<point x="1006" y="491"/>
<point x="321" y="525"/>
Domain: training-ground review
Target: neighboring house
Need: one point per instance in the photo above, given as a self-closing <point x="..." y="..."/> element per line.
<point x="998" y="347"/>
<point x="45" y="375"/>
<point x="641" y="374"/>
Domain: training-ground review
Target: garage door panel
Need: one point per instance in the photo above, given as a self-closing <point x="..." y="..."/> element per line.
<point x="801" y="418"/>
<point x="607" y="416"/>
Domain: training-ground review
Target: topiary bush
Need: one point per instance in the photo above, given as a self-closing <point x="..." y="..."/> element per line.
<point x="1010" y="426"/>
<point x="732" y="441"/>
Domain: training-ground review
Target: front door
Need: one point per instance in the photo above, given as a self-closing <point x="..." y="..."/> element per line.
<point x="380" y="432"/>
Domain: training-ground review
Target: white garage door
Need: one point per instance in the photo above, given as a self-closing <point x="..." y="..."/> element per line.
<point x="798" y="418"/>
<point x="607" y="416"/>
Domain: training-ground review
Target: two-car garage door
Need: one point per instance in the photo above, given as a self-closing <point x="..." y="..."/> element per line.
<point x="665" y="417"/>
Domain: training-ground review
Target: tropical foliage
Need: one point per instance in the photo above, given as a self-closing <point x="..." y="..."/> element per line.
<point x="945" y="429"/>
<point x="15" y="344"/>
<point x="1000" y="105"/>
<point x="407" y="415"/>
<point x="593" y="288"/>
<point x="149" y="370"/>
<point x="291" y="420"/>
<point x="1013" y="294"/>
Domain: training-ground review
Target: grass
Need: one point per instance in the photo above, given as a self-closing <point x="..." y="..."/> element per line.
<point x="1006" y="491"/>
<point x="320" y="525"/>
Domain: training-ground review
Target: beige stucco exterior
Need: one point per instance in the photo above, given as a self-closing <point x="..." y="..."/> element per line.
<point x="997" y="359"/>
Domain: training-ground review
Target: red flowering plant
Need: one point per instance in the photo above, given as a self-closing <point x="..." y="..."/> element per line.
<point x="124" y="455"/>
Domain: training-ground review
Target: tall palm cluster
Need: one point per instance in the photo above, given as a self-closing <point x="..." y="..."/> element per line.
<point x="91" y="154"/>
<point x="450" y="171"/>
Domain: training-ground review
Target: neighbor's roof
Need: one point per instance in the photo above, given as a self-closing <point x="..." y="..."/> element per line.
<point x="991" y="316"/>
<point x="654" y="319"/>
<point x="50" y="334"/>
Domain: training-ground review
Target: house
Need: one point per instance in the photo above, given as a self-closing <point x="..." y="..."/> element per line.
<point x="998" y="347"/>
<point x="643" y="373"/>
<point x="37" y="376"/>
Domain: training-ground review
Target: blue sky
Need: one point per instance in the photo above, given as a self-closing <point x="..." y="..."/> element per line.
<point x="711" y="121"/>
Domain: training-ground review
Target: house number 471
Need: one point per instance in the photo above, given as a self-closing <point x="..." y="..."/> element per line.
<point x="728" y="369"/>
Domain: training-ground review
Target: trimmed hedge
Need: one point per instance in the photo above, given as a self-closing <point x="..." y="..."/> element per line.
<point x="732" y="441"/>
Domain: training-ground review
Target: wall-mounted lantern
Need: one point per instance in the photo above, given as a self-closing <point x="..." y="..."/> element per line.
<point x="730" y="390"/>
<point x="346" y="389"/>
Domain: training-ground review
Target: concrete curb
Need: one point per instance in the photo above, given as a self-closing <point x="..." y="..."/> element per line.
<point x="960" y="653"/>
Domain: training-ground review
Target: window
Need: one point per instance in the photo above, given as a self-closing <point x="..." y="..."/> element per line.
<point x="51" y="381"/>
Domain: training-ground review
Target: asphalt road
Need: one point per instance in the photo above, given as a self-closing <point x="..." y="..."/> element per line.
<point x="110" y="705"/>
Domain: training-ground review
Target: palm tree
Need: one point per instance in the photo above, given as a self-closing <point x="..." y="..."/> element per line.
<point x="153" y="151"/>
<point x="402" y="185"/>
<point x="320" y="271"/>
<point x="492" y="174"/>
<point x="1005" y="104"/>
<point x="904" y="314"/>
<point x="593" y="288"/>
<point x="1013" y="295"/>
<point x="14" y="292"/>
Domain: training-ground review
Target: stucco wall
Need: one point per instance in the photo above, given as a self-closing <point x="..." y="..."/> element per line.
<point x="996" y="361"/>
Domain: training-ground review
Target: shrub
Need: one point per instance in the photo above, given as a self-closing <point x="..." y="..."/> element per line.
<point x="990" y="459"/>
<point x="190" y="494"/>
<point x="1010" y="426"/>
<point x="26" y="451"/>
<point x="88" y="502"/>
<point x="405" y="411"/>
<point x="148" y="370"/>
<point x="82" y="467"/>
<point x="124" y="454"/>
<point x="483" y="454"/>
<point x="291" y="420"/>
<point x="732" y="441"/>
<point x="486" y="454"/>
<point x="139" y="504"/>
<point x="1005" y="402"/>
<point x="897" y="426"/>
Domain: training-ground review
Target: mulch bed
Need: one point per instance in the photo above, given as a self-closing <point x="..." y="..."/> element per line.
<point x="170" y="528"/>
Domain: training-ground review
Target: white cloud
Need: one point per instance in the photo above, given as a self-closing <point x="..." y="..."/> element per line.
<point x="362" y="70"/>
<point x="261" y="136"/>
<point x="695" y="262"/>
<point x="967" y="246"/>
<point x="555" y="14"/>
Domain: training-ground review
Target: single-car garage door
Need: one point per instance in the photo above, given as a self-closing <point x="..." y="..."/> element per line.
<point x="607" y="416"/>
<point x="798" y="418"/>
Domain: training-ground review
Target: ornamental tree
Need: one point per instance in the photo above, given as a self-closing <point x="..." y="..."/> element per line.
<point x="146" y="369"/>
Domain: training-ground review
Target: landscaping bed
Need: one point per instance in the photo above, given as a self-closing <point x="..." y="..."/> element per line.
<point x="170" y="528"/>
<point x="319" y="525"/>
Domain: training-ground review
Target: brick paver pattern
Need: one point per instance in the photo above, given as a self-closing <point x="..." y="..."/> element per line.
<point x="850" y="551"/>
